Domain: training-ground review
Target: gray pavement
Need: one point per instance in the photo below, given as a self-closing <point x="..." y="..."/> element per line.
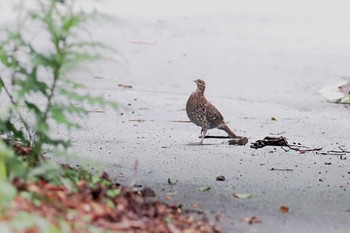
<point x="259" y="61"/>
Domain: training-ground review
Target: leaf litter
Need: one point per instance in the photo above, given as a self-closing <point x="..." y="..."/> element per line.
<point x="105" y="205"/>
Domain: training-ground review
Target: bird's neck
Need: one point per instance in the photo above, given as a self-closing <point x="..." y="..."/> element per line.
<point x="200" y="91"/>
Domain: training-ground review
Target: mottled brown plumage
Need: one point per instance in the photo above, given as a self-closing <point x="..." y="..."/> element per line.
<point x="202" y="113"/>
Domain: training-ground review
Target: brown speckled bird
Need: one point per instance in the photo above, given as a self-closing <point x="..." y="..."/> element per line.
<point x="202" y="113"/>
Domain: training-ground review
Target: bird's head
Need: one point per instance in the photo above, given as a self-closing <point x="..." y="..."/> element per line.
<point x="200" y="84"/>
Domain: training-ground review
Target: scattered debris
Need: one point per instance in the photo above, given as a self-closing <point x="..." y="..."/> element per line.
<point x="270" y="141"/>
<point x="204" y="189"/>
<point x="240" y="140"/>
<point x="327" y="163"/>
<point x="170" y="182"/>
<point x="273" y="119"/>
<point x="281" y="169"/>
<point x="284" y="209"/>
<point x="341" y="153"/>
<point x="282" y="142"/>
<point x="125" y="86"/>
<point x="138" y="120"/>
<point x="96" y="110"/>
<point x="251" y="220"/>
<point x="220" y="178"/>
<point x="243" y="195"/>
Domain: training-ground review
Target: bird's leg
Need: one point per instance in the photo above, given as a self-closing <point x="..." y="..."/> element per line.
<point x="203" y="133"/>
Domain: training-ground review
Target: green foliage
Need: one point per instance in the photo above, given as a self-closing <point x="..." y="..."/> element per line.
<point x="10" y="165"/>
<point x="37" y="82"/>
<point x="25" y="221"/>
<point x="347" y="100"/>
<point x="7" y="193"/>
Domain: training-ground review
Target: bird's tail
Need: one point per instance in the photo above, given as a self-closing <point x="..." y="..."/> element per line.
<point x="224" y="127"/>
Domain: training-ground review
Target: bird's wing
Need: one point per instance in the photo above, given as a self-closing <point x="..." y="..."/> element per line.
<point x="213" y="115"/>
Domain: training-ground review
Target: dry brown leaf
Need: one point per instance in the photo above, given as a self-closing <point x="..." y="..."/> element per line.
<point x="284" y="209"/>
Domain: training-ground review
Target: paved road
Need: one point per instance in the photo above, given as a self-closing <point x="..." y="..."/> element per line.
<point x="260" y="60"/>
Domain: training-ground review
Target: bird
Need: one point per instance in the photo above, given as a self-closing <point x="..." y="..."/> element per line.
<point x="204" y="114"/>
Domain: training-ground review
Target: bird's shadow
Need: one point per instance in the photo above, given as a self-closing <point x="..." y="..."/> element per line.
<point x="204" y="144"/>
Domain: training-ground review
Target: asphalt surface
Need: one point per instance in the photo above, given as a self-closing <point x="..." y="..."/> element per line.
<point x="259" y="61"/>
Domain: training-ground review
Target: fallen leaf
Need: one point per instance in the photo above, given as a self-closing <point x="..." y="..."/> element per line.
<point x="204" y="189"/>
<point x="251" y="220"/>
<point x="284" y="209"/>
<point x="243" y="195"/>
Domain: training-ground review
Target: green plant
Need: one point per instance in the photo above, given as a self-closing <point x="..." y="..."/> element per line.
<point x="7" y="191"/>
<point x="36" y="81"/>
